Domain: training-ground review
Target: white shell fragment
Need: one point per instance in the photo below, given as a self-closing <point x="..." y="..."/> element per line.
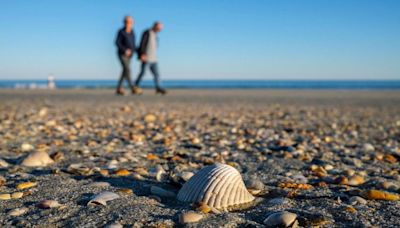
<point x="18" y="211"/>
<point x="38" y="158"/>
<point x="218" y="186"/>
<point x="102" y="198"/>
<point x="281" y="219"/>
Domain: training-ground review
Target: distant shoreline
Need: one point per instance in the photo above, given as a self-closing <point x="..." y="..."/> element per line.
<point x="215" y="84"/>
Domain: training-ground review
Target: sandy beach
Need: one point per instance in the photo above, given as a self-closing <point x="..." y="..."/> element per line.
<point x="331" y="157"/>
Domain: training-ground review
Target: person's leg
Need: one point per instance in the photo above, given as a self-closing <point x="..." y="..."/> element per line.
<point x="121" y="78"/>
<point x="142" y="71"/>
<point x="127" y="70"/>
<point x="154" y="70"/>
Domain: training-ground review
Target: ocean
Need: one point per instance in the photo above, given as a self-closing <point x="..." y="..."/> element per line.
<point x="217" y="84"/>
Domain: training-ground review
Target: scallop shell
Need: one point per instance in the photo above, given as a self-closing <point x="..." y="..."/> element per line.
<point x="218" y="186"/>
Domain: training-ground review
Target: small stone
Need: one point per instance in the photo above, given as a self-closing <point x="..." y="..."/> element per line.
<point x="17" y="195"/>
<point x="18" y="211"/>
<point x="2" y="181"/>
<point x="357" y="200"/>
<point x="47" y="204"/>
<point x="126" y="191"/>
<point x="25" y="185"/>
<point x="114" y="225"/>
<point x="190" y="217"/>
<point x="280" y="219"/>
<point x="278" y="201"/>
<point x="5" y="196"/>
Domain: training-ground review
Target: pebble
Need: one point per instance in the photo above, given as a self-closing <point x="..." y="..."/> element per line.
<point x="114" y="225"/>
<point x="99" y="184"/>
<point x="280" y="219"/>
<point x="190" y="217"/>
<point x="367" y="147"/>
<point x="18" y="211"/>
<point x="356" y="180"/>
<point x="3" y="164"/>
<point x="2" y="181"/>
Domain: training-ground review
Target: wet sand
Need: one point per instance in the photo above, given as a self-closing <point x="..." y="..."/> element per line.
<point x="338" y="143"/>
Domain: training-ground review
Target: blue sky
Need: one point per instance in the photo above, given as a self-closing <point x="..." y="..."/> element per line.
<point x="207" y="39"/>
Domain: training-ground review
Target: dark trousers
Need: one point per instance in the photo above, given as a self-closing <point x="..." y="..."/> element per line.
<point x="154" y="69"/>
<point x="126" y="71"/>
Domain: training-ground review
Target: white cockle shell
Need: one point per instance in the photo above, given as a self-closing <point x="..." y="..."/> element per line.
<point x="102" y="198"/>
<point x="219" y="186"/>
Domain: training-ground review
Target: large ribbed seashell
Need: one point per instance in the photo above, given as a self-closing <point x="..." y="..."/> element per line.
<point x="218" y="186"/>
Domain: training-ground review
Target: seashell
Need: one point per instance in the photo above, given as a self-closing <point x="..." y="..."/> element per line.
<point x="38" y="158"/>
<point x="149" y="118"/>
<point x="281" y="219"/>
<point x="25" y="185"/>
<point x="47" y="204"/>
<point x="5" y="196"/>
<point x="122" y="172"/>
<point x="186" y="175"/>
<point x="189" y="217"/>
<point x="25" y="147"/>
<point x="381" y="195"/>
<point x="18" y="211"/>
<point x="126" y="191"/>
<point x="356" y="180"/>
<point x="219" y="186"/>
<point x="254" y="186"/>
<point x="162" y="192"/>
<point x="17" y="195"/>
<point x="3" y="164"/>
<point x="102" y="198"/>
<point x="357" y="200"/>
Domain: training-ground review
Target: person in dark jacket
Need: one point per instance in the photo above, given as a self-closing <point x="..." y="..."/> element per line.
<point x="147" y="53"/>
<point x="126" y="47"/>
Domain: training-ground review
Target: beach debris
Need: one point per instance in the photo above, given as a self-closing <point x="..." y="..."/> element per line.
<point x="79" y="169"/>
<point x="5" y="196"/>
<point x="47" y="204"/>
<point x="218" y="186"/>
<point x="25" y="147"/>
<point x="155" y="190"/>
<point x="295" y="186"/>
<point x="37" y="159"/>
<point x="57" y="156"/>
<point x="281" y="219"/>
<point x="190" y="217"/>
<point x="18" y="211"/>
<point x="102" y="198"/>
<point x="25" y="185"/>
<point x="17" y="195"/>
<point x="380" y="195"/>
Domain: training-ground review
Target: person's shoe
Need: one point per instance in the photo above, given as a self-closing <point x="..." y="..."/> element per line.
<point x="161" y="91"/>
<point x="120" y="92"/>
<point x="137" y="90"/>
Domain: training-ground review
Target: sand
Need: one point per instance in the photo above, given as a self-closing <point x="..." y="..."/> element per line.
<point x="315" y="137"/>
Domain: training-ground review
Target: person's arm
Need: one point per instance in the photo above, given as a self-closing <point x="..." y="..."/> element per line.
<point x="119" y="42"/>
<point x="143" y="45"/>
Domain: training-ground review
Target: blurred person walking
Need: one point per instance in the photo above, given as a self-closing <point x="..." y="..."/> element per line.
<point x="126" y="47"/>
<point x="147" y="54"/>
